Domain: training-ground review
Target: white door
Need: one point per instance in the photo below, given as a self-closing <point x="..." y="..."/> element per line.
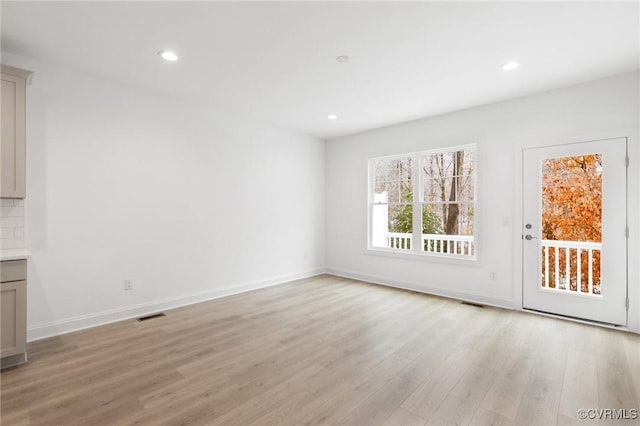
<point x="575" y="227"/>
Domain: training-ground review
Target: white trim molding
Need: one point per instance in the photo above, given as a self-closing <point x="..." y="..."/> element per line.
<point x="42" y="331"/>
<point x="459" y="295"/>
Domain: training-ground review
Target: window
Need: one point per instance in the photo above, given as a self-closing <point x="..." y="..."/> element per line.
<point x="424" y="203"/>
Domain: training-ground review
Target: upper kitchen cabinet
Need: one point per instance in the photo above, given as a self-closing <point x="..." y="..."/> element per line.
<point x="13" y="143"/>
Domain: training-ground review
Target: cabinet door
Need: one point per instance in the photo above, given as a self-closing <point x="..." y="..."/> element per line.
<point x="12" y="144"/>
<point x="13" y="318"/>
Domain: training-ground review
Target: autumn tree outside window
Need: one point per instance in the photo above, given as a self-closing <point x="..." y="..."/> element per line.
<point x="424" y="203"/>
<point x="572" y="211"/>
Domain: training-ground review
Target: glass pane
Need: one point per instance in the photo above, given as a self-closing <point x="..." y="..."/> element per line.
<point x="571" y="230"/>
<point x="393" y="178"/>
<point x="450" y="219"/>
<point x="465" y="188"/>
<point x="432" y="219"/>
<point x="392" y="226"/>
<point x="448" y="228"/>
<point x="448" y="176"/>
<point x="437" y="190"/>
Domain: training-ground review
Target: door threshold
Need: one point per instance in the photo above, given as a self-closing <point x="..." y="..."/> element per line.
<point x="578" y="320"/>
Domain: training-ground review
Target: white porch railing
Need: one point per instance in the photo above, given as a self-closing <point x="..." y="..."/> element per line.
<point x="399" y="240"/>
<point x="580" y="272"/>
<point x="450" y="244"/>
<point x="563" y="266"/>
<point x="434" y="243"/>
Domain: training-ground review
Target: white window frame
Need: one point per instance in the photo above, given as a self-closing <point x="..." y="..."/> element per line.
<point x="418" y="201"/>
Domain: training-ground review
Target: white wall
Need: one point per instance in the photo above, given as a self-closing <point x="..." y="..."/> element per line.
<point x="192" y="203"/>
<point x="187" y="202"/>
<point x="597" y="110"/>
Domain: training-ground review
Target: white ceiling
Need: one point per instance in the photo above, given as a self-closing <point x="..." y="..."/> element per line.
<point x="276" y="61"/>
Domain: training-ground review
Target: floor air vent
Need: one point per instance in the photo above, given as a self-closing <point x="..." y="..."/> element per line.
<point x="473" y="304"/>
<point x="148" y="317"/>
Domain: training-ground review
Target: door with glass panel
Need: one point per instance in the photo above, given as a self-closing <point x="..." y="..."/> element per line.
<point x="574" y="230"/>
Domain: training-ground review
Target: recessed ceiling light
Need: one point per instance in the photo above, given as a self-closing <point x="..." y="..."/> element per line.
<point x="510" y="66"/>
<point x="168" y="55"/>
<point x="342" y="59"/>
<point x="332" y="117"/>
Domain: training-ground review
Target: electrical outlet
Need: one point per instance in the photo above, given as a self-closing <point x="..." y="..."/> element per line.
<point x="128" y="285"/>
<point x="492" y="275"/>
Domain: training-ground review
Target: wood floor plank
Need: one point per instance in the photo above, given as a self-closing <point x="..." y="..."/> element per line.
<point x="632" y="348"/>
<point x="442" y="343"/>
<point x="460" y="406"/>
<point x="402" y="417"/>
<point x="380" y="406"/>
<point x="539" y="404"/>
<point x="270" y="402"/>
<point x="348" y="392"/>
<point x="573" y="421"/>
<point x="508" y="388"/>
<point x="615" y="385"/>
<point x="484" y="417"/>
<point x="325" y="351"/>
<point x="284" y="412"/>
<point x="580" y="385"/>
<point x="429" y="395"/>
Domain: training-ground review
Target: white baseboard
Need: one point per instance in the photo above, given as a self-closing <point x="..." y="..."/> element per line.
<point x="55" y="328"/>
<point x="459" y="295"/>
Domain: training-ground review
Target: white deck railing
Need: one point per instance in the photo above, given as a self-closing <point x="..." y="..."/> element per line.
<point x="559" y="276"/>
<point x="434" y="243"/>
<point x="399" y="240"/>
<point x="451" y="244"/>
<point x="561" y="256"/>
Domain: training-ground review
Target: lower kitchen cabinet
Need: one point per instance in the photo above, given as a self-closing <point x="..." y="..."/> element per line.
<point x="13" y="312"/>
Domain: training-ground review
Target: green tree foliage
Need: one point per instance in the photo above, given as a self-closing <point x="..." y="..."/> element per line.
<point x="401" y="217"/>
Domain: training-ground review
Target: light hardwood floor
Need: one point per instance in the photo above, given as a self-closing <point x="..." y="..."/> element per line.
<point x="326" y="350"/>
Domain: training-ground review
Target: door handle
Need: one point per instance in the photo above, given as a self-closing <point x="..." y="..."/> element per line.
<point x="530" y="237"/>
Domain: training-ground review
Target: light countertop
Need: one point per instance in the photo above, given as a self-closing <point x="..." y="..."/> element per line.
<point x="15" y="254"/>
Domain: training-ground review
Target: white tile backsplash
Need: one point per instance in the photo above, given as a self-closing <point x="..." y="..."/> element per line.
<point x="18" y="232"/>
<point x="12" y="211"/>
<point x="11" y="223"/>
